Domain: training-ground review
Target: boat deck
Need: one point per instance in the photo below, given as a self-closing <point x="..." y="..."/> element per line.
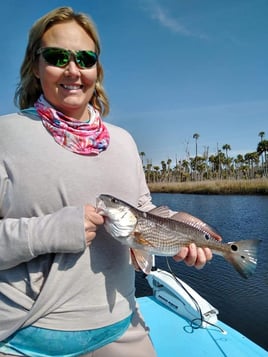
<point x="173" y="336"/>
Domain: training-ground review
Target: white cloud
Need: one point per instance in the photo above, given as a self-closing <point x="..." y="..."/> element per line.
<point x="161" y="14"/>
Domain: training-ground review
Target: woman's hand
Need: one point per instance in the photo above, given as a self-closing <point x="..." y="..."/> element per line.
<point x="91" y="222"/>
<point x="194" y="256"/>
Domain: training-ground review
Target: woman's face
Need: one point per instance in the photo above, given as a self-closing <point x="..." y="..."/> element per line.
<point x="70" y="88"/>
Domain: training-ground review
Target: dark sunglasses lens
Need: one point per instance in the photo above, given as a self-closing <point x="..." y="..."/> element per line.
<point x="86" y="59"/>
<point x="56" y="57"/>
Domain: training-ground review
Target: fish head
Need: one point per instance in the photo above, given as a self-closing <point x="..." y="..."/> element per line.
<point x="119" y="221"/>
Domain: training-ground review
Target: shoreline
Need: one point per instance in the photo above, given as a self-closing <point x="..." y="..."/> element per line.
<point x="213" y="187"/>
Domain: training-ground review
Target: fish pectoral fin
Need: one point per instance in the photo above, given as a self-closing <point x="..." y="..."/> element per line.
<point x="141" y="240"/>
<point x="141" y="260"/>
<point x="134" y="260"/>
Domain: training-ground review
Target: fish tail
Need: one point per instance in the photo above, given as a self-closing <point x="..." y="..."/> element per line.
<point x="243" y="256"/>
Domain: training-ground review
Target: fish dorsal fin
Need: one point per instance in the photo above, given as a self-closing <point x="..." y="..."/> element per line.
<point x="162" y="211"/>
<point x="141" y="260"/>
<point x="187" y="218"/>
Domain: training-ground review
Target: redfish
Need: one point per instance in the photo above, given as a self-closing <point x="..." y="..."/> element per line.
<point x="154" y="233"/>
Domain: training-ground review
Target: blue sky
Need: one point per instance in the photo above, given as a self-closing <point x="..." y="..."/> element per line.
<point x="172" y="68"/>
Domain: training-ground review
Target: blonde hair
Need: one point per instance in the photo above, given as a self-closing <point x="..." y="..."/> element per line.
<point x="29" y="88"/>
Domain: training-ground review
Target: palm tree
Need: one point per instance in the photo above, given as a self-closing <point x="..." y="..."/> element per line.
<point x="227" y="161"/>
<point x="148" y="171"/>
<point x="185" y="166"/>
<point x="196" y="137"/>
<point x="263" y="149"/>
<point x="168" y="168"/>
<point x="261" y="135"/>
<point x="227" y="148"/>
<point x="142" y="155"/>
<point x="251" y="158"/>
<point x="164" y="169"/>
<point x="239" y="162"/>
<point x="156" y="175"/>
<point x="218" y="160"/>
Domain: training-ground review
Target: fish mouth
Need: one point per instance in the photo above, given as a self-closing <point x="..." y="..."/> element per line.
<point x="100" y="206"/>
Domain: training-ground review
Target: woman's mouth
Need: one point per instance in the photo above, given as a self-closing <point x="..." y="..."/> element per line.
<point x="71" y="87"/>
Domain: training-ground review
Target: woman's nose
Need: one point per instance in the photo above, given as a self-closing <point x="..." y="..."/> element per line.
<point x="72" y="68"/>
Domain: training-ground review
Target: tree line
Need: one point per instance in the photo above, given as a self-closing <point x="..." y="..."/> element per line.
<point x="211" y="167"/>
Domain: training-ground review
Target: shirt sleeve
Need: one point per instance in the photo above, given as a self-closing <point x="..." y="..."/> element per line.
<point x="25" y="238"/>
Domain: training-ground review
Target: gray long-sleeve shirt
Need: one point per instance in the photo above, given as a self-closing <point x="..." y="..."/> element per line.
<point x="48" y="277"/>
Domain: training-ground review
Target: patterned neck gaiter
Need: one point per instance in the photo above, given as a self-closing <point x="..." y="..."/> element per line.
<point x="85" y="138"/>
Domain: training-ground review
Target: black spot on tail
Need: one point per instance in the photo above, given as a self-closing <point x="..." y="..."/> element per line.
<point x="234" y="247"/>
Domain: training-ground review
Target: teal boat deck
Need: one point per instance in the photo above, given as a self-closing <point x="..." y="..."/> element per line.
<point x="173" y="336"/>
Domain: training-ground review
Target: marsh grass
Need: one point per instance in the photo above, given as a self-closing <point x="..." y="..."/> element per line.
<point x="216" y="187"/>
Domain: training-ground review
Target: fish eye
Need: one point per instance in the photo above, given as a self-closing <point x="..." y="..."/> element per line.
<point x="207" y="236"/>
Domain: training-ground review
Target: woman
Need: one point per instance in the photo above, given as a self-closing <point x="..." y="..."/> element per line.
<point x="62" y="292"/>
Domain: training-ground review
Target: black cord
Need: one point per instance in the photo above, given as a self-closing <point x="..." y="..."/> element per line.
<point x="193" y="323"/>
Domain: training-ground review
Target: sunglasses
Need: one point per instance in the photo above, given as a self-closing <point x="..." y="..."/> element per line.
<point x="59" y="57"/>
